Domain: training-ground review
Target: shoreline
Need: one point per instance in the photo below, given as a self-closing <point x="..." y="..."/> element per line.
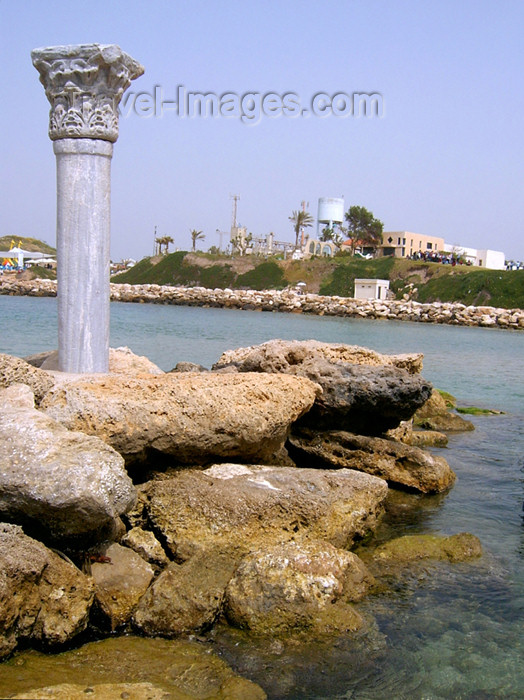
<point x="288" y="301"/>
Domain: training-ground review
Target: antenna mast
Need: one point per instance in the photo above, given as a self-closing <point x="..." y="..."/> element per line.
<point x="235" y="198"/>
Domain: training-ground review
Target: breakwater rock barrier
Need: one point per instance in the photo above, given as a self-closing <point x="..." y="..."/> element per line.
<point x="290" y="301"/>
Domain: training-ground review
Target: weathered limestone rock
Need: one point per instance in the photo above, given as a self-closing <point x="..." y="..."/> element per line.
<point x="294" y="587"/>
<point x="396" y="462"/>
<point x="449" y="423"/>
<point x="194" y="418"/>
<point x="179" y="669"/>
<point x="244" y="507"/>
<point x="435" y="406"/>
<point x="454" y="548"/>
<point x="281" y="355"/>
<point x="42" y="597"/>
<point x="96" y="691"/>
<point x="13" y="370"/>
<point x="435" y="415"/>
<point x="145" y="544"/>
<point x="120" y="583"/>
<point x="428" y="438"/>
<point x="66" y="486"/>
<point x="369" y="395"/>
<point x="189" y="367"/>
<point x="187" y="597"/>
<point x="121" y="361"/>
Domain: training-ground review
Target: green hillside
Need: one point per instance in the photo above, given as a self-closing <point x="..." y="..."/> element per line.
<point x="423" y="281"/>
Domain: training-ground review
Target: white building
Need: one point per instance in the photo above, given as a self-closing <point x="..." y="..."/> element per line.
<point x="490" y="259"/>
<point x="371" y="289"/>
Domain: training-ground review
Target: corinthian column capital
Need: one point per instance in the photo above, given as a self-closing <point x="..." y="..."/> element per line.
<point x="84" y="85"/>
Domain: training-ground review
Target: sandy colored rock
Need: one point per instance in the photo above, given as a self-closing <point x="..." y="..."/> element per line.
<point x="296" y="587"/>
<point x="194" y="418"/>
<point x="281" y="355"/>
<point x="428" y="438"/>
<point x="180" y="669"/>
<point x="246" y="507"/>
<point x="454" y="548"/>
<point x="146" y="545"/>
<point x="97" y="691"/>
<point x="187" y="597"/>
<point x="120" y="583"/>
<point x="397" y="463"/>
<point x="66" y="486"/>
<point x="448" y="423"/>
<point x="13" y="370"/>
<point x="42" y="597"/>
<point x="435" y="406"/>
<point x="121" y="361"/>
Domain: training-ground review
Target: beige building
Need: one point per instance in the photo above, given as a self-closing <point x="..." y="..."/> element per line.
<point x="403" y="244"/>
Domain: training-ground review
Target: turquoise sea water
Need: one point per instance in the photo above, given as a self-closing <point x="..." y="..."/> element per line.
<point x="448" y="632"/>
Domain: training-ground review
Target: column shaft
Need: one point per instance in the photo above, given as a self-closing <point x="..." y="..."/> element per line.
<point x="83" y="250"/>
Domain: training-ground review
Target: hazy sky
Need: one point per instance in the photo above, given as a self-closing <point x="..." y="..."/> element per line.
<point x="445" y="158"/>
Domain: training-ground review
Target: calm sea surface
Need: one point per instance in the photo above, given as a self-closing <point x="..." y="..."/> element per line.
<point x="448" y="632"/>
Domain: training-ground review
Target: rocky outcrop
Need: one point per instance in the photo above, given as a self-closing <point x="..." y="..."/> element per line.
<point x="187" y="597"/>
<point x="397" y="463"/>
<point x="13" y="370"/>
<point x="281" y="356"/>
<point x="121" y="578"/>
<point x="43" y="598"/>
<point x="64" y="486"/>
<point x="295" y="587"/>
<point x="241" y="507"/>
<point x="193" y="418"/>
<point x="362" y="391"/>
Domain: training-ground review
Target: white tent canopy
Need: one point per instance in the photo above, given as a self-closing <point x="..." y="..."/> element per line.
<point x="20" y="254"/>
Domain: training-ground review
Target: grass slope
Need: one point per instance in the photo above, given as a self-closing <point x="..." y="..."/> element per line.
<point x="426" y="282"/>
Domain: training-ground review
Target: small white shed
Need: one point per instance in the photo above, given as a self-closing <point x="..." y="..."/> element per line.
<point x="371" y="289"/>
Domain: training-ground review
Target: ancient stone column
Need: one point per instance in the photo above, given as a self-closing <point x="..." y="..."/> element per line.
<point x="84" y="85"/>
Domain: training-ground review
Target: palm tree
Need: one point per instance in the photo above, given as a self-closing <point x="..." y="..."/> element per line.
<point x="300" y="219"/>
<point x="196" y="236"/>
<point x="164" y="242"/>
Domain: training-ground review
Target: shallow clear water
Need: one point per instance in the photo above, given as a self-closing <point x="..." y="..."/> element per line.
<point x="450" y="631"/>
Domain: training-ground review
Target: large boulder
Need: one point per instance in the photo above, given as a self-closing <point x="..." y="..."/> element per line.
<point x="43" y="598"/>
<point x="297" y="586"/>
<point x="65" y="486"/>
<point x="186" y="597"/>
<point x="281" y="355"/>
<point x="400" y="464"/>
<point x="362" y="391"/>
<point x="13" y="370"/>
<point x="194" y="418"/>
<point x="231" y="505"/>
